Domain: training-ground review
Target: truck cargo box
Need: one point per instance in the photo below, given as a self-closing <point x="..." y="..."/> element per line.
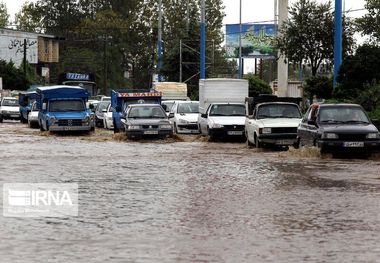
<point x="221" y="91"/>
<point x="171" y="90"/>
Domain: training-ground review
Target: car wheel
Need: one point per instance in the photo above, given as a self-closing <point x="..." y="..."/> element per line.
<point x="297" y="144"/>
<point x="47" y="126"/>
<point x="1" y="120"/>
<point x="175" y="128"/>
<point x="41" y="127"/>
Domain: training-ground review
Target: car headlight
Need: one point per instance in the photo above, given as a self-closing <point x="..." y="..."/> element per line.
<point x="52" y="120"/>
<point x="217" y="126"/>
<point x="133" y="127"/>
<point x="329" y="135"/>
<point x="166" y="126"/>
<point x="373" y="136"/>
<point x="183" y="121"/>
<point x="266" y="130"/>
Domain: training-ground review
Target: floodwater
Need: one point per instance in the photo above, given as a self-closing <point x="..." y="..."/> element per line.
<point x="189" y="200"/>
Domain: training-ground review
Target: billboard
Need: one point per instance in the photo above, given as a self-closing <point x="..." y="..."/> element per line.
<point x="257" y="40"/>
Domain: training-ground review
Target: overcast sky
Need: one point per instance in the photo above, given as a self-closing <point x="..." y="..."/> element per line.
<point x="252" y="10"/>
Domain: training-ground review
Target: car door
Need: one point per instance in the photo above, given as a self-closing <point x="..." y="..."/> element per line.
<point x="249" y="126"/>
<point x="311" y="130"/>
<point x="203" y="121"/>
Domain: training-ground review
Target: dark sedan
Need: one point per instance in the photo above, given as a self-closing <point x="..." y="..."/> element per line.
<point x="146" y="120"/>
<point x="338" y="128"/>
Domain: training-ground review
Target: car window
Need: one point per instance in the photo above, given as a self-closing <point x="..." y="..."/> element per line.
<point x="342" y="115"/>
<point x="102" y="106"/>
<point x="169" y="105"/>
<point x="188" y="108"/>
<point x="278" y="111"/>
<point x="10" y="102"/>
<point x="146" y="112"/>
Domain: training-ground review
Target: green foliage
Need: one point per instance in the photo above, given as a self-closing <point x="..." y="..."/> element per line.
<point x="358" y="72"/>
<point x="257" y="86"/>
<point x="4" y="17"/>
<point x="29" y="18"/>
<point x="319" y="86"/>
<point x="369" y="23"/>
<point x="308" y="36"/>
<point x="13" y="78"/>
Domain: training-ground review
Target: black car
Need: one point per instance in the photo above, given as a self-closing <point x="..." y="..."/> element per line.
<point x="338" y="128"/>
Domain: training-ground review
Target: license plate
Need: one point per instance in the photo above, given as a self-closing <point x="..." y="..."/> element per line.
<point x="353" y="144"/>
<point x="285" y="142"/>
<point x="14" y="116"/>
<point x="68" y="128"/>
<point x="235" y="133"/>
<point x="150" y="132"/>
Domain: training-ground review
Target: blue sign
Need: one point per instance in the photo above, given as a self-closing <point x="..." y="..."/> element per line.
<point x="77" y="76"/>
<point x="257" y="40"/>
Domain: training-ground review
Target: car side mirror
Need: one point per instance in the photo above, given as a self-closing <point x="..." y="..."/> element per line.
<point x="104" y="110"/>
<point x="165" y="107"/>
<point x="171" y="115"/>
<point x="91" y="106"/>
<point x="204" y="115"/>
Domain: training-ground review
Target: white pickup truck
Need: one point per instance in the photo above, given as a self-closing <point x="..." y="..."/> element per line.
<point x="221" y="107"/>
<point x="272" y="120"/>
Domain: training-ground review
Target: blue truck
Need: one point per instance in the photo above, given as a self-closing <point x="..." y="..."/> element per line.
<point x="26" y="100"/>
<point x="63" y="108"/>
<point x="121" y="99"/>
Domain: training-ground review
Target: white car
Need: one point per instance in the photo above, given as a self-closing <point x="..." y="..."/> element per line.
<point x="184" y="116"/>
<point x="9" y="109"/>
<point x="272" y="123"/>
<point x="167" y="105"/>
<point x="33" y="116"/>
<point x="107" y="118"/>
<point x="223" y="119"/>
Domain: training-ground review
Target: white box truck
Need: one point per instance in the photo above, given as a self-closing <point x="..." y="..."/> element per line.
<point x="221" y="107"/>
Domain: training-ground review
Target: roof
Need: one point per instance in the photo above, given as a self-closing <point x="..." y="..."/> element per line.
<point x="337" y="105"/>
<point x="60" y="91"/>
<point x="144" y="105"/>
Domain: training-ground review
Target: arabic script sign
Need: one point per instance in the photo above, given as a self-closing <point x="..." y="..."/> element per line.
<point x="257" y="40"/>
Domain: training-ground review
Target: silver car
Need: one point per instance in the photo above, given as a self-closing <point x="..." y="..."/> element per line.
<point x="146" y="120"/>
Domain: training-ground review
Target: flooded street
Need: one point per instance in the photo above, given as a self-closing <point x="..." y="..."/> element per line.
<point x="189" y="200"/>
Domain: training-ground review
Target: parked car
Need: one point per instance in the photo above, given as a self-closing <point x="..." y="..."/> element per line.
<point x="272" y="123"/>
<point x="105" y="98"/>
<point x="146" y="120"/>
<point x="338" y="128"/>
<point x="92" y="104"/>
<point x="100" y="110"/>
<point x="9" y="109"/>
<point x="108" y="118"/>
<point x="33" y="116"/>
<point x="184" y="116"/>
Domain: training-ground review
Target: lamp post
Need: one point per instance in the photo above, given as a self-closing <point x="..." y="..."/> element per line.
<point x="338" y="39"/>
<point x="240" y="49"/>
<point x="203" y="40"/>
<point x="159" y="42"/>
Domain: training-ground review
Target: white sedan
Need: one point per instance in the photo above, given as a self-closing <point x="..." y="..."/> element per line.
<point x="184" y="116"/>
<point x="33" y="116"/>
<point x="107" y="119"/>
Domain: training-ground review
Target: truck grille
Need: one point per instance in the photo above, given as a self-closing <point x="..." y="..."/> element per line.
<point x="189" y="126"/>
<point x="352" y="137"/>
<point x="284" y="130"/>
<point x="69" y="122"/>
<point x="234" y="127"/>
<point x="150" y="126"/>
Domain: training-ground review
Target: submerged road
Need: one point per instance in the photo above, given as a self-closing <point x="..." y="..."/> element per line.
<point x="190" y="201"/>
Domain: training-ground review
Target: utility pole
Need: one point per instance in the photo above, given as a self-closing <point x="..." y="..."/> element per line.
<point x="241" y="69"/>
<point x="24" y="60"/>
<point x="282" y="67"/>
<point x="338" y="40"/>
<point x="203" y="40"/>
<point x="105" y="63"/>
<point x="159" y="44"/>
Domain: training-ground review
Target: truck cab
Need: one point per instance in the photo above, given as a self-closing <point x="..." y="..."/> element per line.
<point x="63" y="108"/>
<point x="272" y="120"/>
<point x="121" y="99"/>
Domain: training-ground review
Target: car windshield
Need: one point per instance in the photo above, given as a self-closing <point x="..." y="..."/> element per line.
<point x="227" y="110"/>
<point x="188" y="108"/>
<point x="102" y="106"/>
<point x="10" y="102"/>
<point x="146" y="113"/>
<point x="168" y="105"/>
<point x="278" y="111"/>
<point x="66" y="105"/>
<point x="342" y="115"/>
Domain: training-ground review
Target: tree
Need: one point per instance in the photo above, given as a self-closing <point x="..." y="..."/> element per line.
<point x="369" y="23"/>
<point x="320" y="86"/>
<point x="358" y="72"/>
<point x="13" y="78"/>
<point x="307" y="37"/>
<point x="257" y="86"/>
<point x="4" y="17"/>
<point x="29" y="18"/>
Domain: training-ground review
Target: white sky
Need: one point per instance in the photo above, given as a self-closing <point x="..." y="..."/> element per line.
<point x="252" y="10"/>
